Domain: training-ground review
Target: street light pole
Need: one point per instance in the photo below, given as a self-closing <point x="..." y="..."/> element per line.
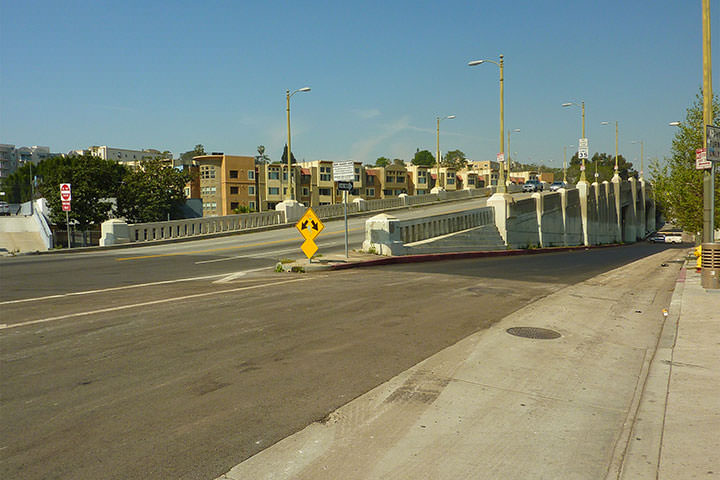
<point x="583" y="179"/>
<point x="708" y="175"/>
<point x="501" y="188"/>
<point x="289" y="193"/>
<point x="437" y="158"/>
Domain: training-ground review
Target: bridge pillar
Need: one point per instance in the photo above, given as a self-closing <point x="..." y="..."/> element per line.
<point x="631" y="224"/>
<point x="114" y="232"/>
<point x="382" y="236"/>
<point x="499" y="202"/>
<point x="292" y="209"/>
<point x="583" y="188"/>
<point x="618" y="208"/>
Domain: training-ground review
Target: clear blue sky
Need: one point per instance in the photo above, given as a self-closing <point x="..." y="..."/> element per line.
<point x="169" y="75"/>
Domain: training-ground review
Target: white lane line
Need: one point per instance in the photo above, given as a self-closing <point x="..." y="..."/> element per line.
<point x="144" y="304"/>
<point x="111" y="289"/>
<point x="235" y="275"/>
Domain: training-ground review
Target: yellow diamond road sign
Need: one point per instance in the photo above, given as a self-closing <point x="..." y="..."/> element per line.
<point x="310" y="225"/>
<point x="309" y="248"/>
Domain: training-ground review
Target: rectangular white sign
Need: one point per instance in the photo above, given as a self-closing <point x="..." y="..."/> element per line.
<point x="344" y="171"/>
<point x="583" y="143"/>
<point x="701" y="161"/>
<point x="65" y="192"/>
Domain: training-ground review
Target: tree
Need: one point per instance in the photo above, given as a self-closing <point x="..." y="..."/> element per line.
<point x="186" y="158"/>
<point x="399" y="162"/>
<point x="284" y="156"/>
<point x="93" y="181"/>
<point x="677" y="183"/>
<point x="382" y="162"/>
<point x="455" y="159"/>
<point x="424" y="158"/>
<point x="261" y="157"/>
<point x="152" y="192"/>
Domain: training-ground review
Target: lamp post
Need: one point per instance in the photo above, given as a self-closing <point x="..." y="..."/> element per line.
<point x="616" y="147"/>
<point x="437" y="158"/>
<point x="514" y="130"/>
<point x="708" y="174"/>
<point x="642" y="152"/>
<point x="289" y="193"/>
<point x="582" y="107"/>
<point x="501" y="188"/>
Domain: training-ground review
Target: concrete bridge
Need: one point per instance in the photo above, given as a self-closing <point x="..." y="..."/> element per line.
<point x="591" y="214"/>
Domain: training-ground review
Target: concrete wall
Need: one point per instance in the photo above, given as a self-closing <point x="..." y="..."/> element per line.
<point x="587" y="215"/>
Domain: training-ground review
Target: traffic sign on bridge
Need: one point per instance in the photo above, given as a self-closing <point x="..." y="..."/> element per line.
<point x="309" y="227"/>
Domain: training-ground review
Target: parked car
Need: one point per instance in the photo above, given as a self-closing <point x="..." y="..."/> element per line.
<point x="555" y="186"/>
<point x="4" y="208"/>
<point x="532" y="186"/>
<point x="673" y="237"/>
<point x="657" y="238"/>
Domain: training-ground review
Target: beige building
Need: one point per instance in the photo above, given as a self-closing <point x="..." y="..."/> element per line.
<point x="469" y="179"/>
<point x="419" y="179"/>
<point x="227" y="182"/>
<point x="129" y="157"/>
<point x="393" y="180"/>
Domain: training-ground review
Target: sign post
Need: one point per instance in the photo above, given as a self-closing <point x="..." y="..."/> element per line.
<point x="65" y="198"/>
<point x="344" y="174"/>
<point x="712" y="140"/>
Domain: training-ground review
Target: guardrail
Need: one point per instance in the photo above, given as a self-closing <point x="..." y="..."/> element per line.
<point x="141" y="232"/>
<point x="415" y="230"/>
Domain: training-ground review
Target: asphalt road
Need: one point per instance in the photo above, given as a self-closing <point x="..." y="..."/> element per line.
<point x="185" y="379"/>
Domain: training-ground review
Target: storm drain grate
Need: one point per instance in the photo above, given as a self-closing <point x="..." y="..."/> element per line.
<point x="534" y="332"/>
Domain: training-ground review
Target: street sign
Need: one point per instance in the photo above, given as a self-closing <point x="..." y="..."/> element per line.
<point x="309" y="227"/>
<point x="583" y="148"/>
<point x="701" y="161"/>
<point x="345" y="186"/>
<point x="713" y="143"/>
<point x="583" y="142"/>
<point x="500" y="157"/>
<point x="344" y="171"/>
<point x="66" y="206"/>
<point x="65" y="192"/>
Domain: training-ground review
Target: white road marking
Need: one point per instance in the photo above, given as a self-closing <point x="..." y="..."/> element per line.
<point x="235" y="275"/>
<point x="145" y="304"/>
<point x="111" y="289"/>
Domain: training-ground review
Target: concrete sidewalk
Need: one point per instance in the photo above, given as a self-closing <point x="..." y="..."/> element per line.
<point x="624" y="391"/>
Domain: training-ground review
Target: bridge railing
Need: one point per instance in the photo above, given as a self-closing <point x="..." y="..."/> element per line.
<point x="415" y="230"/>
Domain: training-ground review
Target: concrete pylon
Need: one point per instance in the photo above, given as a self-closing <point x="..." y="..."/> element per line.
<point x="499" y="202"/>
<point x="583" y="190"/>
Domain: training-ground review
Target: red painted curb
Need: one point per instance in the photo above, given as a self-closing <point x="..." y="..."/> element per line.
<point x="431" y="257"/>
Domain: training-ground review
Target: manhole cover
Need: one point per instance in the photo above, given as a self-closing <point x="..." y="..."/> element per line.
<point x="534" y="332"/>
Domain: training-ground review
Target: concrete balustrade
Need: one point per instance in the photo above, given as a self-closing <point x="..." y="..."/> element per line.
<point x="611" y="212"/>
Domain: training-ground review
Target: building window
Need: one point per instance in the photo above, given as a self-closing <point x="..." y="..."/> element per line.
<point x="370" y="192"/>
<point x="251" y="190"/>
<point x="234" y="205"/>
<point x="324" y="177"/>
<point x="388" y="192"/>
<point x="274" y="191"/>
<point x="422" y="180"/>
<point x="324" y="191"/>
<point x="305" y="192"/>
<point x="251" y="205"/>
<point x="274" y="175"/>
<point x="233" y="174"/>
<point x="400" y="177"/>
<point x="451" y="180"/>
<point x="251" y="174"/>
<point x="234" y="190"/>
<point x="389" y="179"/>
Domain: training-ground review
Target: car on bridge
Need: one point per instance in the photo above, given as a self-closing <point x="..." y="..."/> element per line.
<point x="657" y="238"/>
<point x="532" y="186"/>
<point x="4" y="208"/>
<point x="555" y="186"/>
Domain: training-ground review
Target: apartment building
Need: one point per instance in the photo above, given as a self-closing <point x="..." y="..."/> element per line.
<point x="393" y="180"/>
<point x="469" y="179"/>
<point x="373" y="185"/>
<point x="227" y="182"/>
<point x="12" y="158"/>
<point x="419" y="179"/>
<point x="275" y="179"/>
<point x="129" y="157"/>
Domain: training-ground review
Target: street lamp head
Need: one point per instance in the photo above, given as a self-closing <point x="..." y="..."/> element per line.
<point x="450" y="117"/>
<point x="304" y="89"/>
<point x="568" y="104"/>
<point x="515" y="129"/>
<point x="604" y="123"/>
<point x="475" y="62"/>
<point x="674" y="124"/>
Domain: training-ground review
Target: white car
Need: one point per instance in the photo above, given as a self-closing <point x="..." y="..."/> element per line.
<point x="673" y="237"/>
<point x="4" y="208"/>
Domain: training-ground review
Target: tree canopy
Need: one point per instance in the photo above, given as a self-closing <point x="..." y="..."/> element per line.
<point x="382" y="162"/>
<point x="186" y="158"/>
<point x="284" y="156"/>
<point x="93" y="181"/>
<point x="677" y="183"/>
<point x="454" y="159"/>
<point x="424" y="158"/>
<point x="152" y="192"/>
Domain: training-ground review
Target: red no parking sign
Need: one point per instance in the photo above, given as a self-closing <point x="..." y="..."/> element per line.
<point x="65" y="196"/>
